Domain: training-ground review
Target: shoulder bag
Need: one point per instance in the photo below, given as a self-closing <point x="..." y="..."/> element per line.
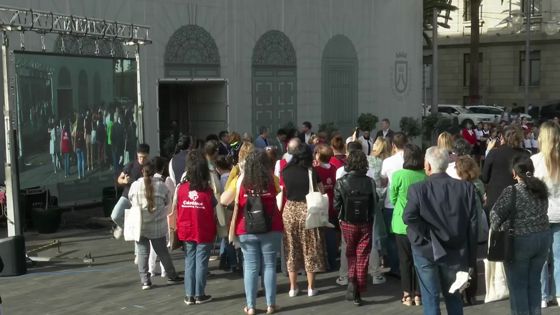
<point x="500" y="244"/>
<point x="317" y="207"/>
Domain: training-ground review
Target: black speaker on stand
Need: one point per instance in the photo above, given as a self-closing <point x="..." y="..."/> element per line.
<point x="12" y="254"/>
<point x="12" y="249"/>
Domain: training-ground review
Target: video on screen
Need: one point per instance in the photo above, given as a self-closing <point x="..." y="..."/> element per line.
<point x="77" y="122"/>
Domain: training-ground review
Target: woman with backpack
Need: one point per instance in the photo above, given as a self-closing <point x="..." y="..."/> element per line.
<point x="355" y="199"/>
<point x="196" y="225"/>
<point x="412" y="172"/>
<point x="150" y="194"/>
<point x="258" y="225"/>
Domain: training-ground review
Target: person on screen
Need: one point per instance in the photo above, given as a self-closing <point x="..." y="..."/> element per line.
<point x="118" y="143"/>
<point x="66" y="147"/>
<point x="54" y="144"/>
<point x="80" y="148"/>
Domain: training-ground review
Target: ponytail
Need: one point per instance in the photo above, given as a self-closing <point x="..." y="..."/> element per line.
<point x="524" y="168"/>
<point x="148" y="171"/>
<point x="535" y="186"/>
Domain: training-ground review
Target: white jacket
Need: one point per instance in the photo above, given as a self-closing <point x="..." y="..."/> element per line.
<point x="553" y="188"/>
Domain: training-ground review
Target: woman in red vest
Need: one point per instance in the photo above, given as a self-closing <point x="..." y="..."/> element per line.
<point x="196" y="225"/>
<point x="327" y="174"/>
<point x="260" y="243"/>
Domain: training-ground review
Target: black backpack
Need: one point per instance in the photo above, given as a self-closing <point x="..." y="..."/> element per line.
<point x="357" y="207"/>
<point x="257" y="219"/>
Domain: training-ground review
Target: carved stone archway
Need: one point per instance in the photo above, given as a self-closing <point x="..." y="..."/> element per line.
<point x="191" y="52"/>
<point x="274" y="82"/>
<point x="339" y="83"/>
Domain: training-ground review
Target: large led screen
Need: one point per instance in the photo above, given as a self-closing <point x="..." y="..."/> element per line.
<point x="77" y="122"/>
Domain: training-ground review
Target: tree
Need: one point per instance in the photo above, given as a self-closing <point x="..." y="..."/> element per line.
<point x="474" y="79"/>
<point x="443" y="6"/>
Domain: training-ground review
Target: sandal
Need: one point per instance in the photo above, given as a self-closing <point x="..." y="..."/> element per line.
<point x="407" y="300"/>
<point x="249" y="311"/>
<point x="417" y="300"/>
<point x="272" y="309"/>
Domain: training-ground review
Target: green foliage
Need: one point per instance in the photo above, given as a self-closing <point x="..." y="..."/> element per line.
<point x="411" y="127"/>
<point x="367" y="121"/>
<point x="435" y="124"/>
<point x="329" y="129"/>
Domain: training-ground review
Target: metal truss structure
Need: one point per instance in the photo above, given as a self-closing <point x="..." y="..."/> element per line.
<point x="43" y="22"/>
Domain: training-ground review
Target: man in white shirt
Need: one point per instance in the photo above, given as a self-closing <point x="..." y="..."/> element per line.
<point x="306" y="133"/>
<point x="367" y="142"/>
<point x="389" y="167"/>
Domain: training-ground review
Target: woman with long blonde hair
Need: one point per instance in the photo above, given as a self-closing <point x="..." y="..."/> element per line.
<point x="445" y="141"/>
<point x="547" y="168"/>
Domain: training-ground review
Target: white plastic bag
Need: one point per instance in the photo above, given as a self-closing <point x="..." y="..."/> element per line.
<point x="132" y="224"/>
<point x="317" y="208"/>
<point x="496" y="282"/>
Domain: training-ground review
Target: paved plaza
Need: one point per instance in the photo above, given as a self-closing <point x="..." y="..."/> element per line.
<point x="110" y="285"/>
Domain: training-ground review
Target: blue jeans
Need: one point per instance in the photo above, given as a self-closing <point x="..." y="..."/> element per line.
<point x="256" y="248"/>
<point x="523" y="272"/>
<point x="551" y="287"/>
<point x="66" y="164"/>
<point x="117" y="215"/>
<point x="196" y="267"/>
<point x="436" y="278"/>
<point x="391" y="243"/>
<point x="81" y="164"/>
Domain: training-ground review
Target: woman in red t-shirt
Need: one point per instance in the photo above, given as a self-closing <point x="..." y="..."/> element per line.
<point x="327" y="174"/>
<point x="338" y="159"/>
<point x="66" y="147"/>
<point x="258" y="181"/>
<point x="468" y="134"/>
<point x="196" y="225"/>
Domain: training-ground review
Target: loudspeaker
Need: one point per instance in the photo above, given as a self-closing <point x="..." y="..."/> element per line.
<point x="12" y="254"/>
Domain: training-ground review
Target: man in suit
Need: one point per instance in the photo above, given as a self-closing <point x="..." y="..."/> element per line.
<point x="280" y="142"/>
<point x="442" y="227"/>
<point x="385" y="131"/>
<point x="305" y="132"/>
<point x="223" y="147"/>
<point x="262" y="140"/>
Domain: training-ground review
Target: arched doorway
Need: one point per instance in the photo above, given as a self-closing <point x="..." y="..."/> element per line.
<point x="64" y="104"/>
<point x="83" y="91"/>
<point x="339" y="83"/>
<point x="96" y="89"/>
<point x="191" y="52"/>
<point x="274" y="82"/>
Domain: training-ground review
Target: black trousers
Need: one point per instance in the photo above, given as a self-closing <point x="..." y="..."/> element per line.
<point x="409" y="279"/>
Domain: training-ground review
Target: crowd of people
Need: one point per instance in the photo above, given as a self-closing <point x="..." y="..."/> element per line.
<point x="393" y="210"/>
<point x="93" y="139"/>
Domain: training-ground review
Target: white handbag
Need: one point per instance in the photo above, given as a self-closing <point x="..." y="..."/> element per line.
<point x="496" y="282"/>
<point x="132" y="224"/>
<point x="317" y="208"/>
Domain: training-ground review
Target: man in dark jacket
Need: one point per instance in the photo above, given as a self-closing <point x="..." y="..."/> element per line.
<point x="442" y="227"/>
<point x="385" y="131"/>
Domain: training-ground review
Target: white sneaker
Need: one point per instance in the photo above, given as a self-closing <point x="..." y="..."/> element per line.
<point x="544" y="304"/>
<point x="117" y="232"/>
<point x="343" y="281"/>
<point x="136" y="259"/>
<point x="294" y="292"/>
<point x="164" y="274"/>
<point x="312" y="292"/>
<point x="379" y="280"/>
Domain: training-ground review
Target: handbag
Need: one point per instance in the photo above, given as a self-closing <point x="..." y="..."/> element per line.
<point x="132" y="224"/>
<point x="174" y="241"/>
<point x="317" y="208"/>
<point x="495" y="280"/>
<point x="500" y="243"/>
